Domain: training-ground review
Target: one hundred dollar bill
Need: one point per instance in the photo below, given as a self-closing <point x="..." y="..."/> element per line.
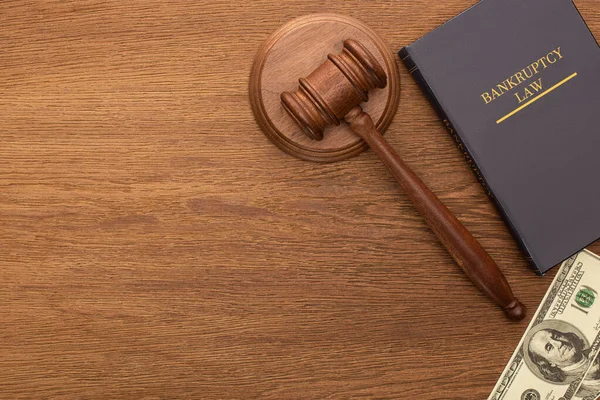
<point x="558" y="356"/>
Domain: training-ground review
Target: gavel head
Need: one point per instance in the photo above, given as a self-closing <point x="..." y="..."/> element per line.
<point x="337" y="86"/>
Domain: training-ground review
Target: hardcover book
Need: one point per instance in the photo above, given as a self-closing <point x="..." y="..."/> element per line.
<point x="517" y="84"/>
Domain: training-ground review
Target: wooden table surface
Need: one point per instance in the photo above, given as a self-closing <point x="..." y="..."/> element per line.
<point x="155" y="245"/>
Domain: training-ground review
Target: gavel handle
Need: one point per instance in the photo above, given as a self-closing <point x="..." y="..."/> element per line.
<point x="464" y="248"/>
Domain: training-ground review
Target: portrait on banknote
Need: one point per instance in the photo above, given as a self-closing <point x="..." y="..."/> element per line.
<point x="556" y="351"/>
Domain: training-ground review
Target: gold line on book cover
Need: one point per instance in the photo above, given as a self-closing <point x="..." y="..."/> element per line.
<point x="510" y="114"/>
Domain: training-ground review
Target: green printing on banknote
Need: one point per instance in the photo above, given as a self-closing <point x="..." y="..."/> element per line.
<point x="558" y="356"/>
<point x="586" y="297"/>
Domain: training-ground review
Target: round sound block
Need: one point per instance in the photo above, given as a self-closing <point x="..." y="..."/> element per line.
<point x="294" y="51"/>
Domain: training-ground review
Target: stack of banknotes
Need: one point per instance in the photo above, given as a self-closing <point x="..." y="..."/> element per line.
<point x="558" y="356"/>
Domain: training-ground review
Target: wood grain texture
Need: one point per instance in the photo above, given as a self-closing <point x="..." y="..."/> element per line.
<point x="155" y="245"/>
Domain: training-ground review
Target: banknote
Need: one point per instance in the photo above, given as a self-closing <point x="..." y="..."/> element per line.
<point x="590" y="385"/>
<point x="558" y="356"/>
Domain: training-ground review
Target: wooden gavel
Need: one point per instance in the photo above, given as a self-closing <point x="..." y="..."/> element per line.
<point x="332" y="93"/>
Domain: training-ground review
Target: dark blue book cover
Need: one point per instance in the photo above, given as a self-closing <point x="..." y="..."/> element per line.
<point x="517" y="83"/>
